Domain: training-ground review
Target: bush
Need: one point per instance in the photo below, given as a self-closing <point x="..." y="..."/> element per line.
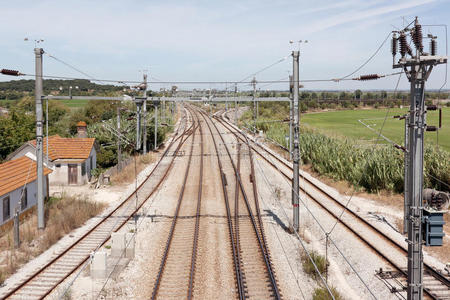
<point x="372" y="169"/>
<point x="323" y="294"/>
<point x="106" y="158"/>
<point x="309" y="268"/>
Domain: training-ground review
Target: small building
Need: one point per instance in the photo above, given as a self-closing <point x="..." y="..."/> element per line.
<point x="18" y="182"/>
<point x="71" y="159"/>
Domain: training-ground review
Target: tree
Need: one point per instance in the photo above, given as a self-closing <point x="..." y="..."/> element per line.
<point x="358" y="94"/>
<point x="15" y="129"/>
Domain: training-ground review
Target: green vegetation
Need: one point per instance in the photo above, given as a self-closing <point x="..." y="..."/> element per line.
<point x="18" y="126"/>
<point x="13" y="89"/>
<point x="322" y="293"/>
<point x="345" y="123"/>
<point x="318" y="260"/>
<point x="75" y="103"/>
<point x="338" y="154"/>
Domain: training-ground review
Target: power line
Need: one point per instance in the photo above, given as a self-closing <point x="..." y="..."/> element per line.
<point x="205" y="82"/>
<point x="263" y="69"/>
<point x="370" y="58"/>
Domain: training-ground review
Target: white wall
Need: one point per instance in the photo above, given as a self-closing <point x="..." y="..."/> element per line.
<point x="14" y="198"/>
<point x="59" y="175"/>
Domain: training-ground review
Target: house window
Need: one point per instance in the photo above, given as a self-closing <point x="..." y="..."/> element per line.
<point x="24" y="202"/>
<point x="6" y="209"/>
<point x="83" y="169"/>
<point x="58" y="165"/>
<point x="92" y="163"/>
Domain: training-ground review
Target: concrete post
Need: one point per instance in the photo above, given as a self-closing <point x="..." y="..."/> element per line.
<point x="118" y="244"/>
<point x="98" y="265"/>
<point x="130" y="244"/>
<point x="296" y="150"/>
<point x="39" y="138"/>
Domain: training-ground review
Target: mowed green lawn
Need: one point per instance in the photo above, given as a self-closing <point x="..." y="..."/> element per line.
<point x="345" y="123"/>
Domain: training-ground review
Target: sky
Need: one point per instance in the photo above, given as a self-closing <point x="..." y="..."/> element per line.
<point x="216" y="40"/>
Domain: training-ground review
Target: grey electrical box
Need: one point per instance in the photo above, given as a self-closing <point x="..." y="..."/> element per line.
<point x="433" y="227"/>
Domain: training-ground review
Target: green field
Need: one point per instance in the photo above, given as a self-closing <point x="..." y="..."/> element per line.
<point x="345" y="123"/>
<point x="75" y="103"/>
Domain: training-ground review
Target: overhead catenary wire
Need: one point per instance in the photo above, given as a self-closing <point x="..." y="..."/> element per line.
<point x="369" y="59"/>
<point x="203" y="82"/>
<point x="263" y="69"/>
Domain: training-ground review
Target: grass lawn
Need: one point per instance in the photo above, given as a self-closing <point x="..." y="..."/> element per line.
<point x="75" y="103"/>
<point x="345" y="123"/>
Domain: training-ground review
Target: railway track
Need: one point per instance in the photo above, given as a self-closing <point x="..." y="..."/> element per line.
<point x="44" y="280"/>
<point x="253" y="271"/>
<point x="176" y="273"/>
<point x="436" y="285"/>
<point x="255" y="276"/>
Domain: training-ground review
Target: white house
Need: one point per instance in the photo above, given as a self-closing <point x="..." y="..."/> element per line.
<point x="18" y="181"/>
<point x="71" y="159"/>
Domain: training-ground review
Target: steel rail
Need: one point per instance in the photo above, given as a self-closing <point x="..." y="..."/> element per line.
<point x="237" y="266"/>
<point x="266" y="259"/>
<point x="84" y="236"/>
<point x="431" y="271"/>
<point x="255" y="196"/>
<point x="236" y="219"/>
<point x="197" y="219"/>
<point x="174" y="221"/>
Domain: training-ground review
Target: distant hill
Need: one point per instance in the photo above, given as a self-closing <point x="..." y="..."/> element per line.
<point x="24" y="85"/>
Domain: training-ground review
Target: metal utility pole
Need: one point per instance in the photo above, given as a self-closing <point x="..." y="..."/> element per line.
<point x="145" y="115"/>
<point x="296" y="150"/>
<point x="156" y="125"/>
<point x="16" y="225"/>
<point x="119" y="150"/>
<point x="406" y="176"/>
<point x="46" y="128"/>
<point x="139" y="103"/>
<point x="226" y="97"/>
<point x="235" y="105"/>
<point x="210" y="102"/>
<point x="39" y="138"/>
<point x="255" y="113"/>
<point x="417" y="68"/>
<point x="291" y="115"/>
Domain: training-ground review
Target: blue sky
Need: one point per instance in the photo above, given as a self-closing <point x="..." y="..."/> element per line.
<point x="212" y="40"/>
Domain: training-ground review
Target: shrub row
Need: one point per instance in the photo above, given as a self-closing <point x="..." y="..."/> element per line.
<point x="372" y="168"/>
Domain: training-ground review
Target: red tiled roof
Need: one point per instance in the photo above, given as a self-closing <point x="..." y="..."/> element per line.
<point x="17" y="172"/>
<point x="81" y="123"/>
<point x="67" y="148"/>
